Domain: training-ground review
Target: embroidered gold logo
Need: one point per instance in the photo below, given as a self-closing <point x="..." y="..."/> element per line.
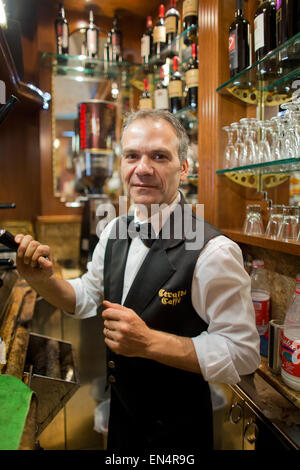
<point x="171" y="298"/>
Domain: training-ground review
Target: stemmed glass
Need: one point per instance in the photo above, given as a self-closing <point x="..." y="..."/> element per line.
<point x="239" y="144"/>
<point x="230" y="155"/>
<point x="278" y="147"/>
<point x="249" y="142"/>
<point x="263" y="147"/>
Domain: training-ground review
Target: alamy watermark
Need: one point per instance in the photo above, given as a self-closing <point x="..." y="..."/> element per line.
<point x="180" y="225"/>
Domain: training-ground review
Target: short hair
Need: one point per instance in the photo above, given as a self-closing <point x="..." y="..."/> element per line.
<point x="155" y="114"/>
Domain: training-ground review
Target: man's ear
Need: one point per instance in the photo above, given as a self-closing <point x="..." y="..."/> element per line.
<point x="184" y="170"/>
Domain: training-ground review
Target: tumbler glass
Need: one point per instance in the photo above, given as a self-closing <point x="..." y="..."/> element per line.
<point x="289" y="227"/>
<point x="275" y="220"/>
<point x="253" y="222"/>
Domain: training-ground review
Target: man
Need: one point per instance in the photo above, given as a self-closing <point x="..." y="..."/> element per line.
<point x="174" y="317"/>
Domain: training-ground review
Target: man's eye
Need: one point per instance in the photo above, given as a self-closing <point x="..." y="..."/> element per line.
<point x="131" y="156"/>
<point x="159" y="156"/>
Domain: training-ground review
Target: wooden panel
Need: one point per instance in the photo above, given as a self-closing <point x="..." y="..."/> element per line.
<point x="109" y="7"/>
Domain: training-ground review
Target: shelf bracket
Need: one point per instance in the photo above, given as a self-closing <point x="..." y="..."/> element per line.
<point x="257" y="181"/>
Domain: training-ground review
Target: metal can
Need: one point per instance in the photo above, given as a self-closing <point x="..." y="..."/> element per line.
<point x="274" y="348"/>
<point x="97" y="125"/>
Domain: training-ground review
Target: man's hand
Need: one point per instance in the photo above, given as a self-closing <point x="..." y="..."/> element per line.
<point x="125" y="332"/>
<point x="33" y="259"/>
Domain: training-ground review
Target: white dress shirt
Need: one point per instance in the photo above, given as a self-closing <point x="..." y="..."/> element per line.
<point x="220" y="295"/>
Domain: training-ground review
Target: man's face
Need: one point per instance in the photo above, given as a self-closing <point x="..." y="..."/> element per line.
<point x="150" y="165"/>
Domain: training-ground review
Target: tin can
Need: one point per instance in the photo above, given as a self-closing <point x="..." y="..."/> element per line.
<point x="274" y="347"/>
<point x="97" y="125"/>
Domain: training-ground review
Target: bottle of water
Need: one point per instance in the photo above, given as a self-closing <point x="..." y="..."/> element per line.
<point x="260" y="293"/>
<point x="290" y="343"/>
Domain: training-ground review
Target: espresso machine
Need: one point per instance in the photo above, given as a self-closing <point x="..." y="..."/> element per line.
<point x="95" y="133"/>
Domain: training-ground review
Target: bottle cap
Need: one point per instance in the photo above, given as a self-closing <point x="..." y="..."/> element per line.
<point x="172" y="3"/>
<point x="162" y="76"/>
<point x="149" y="21"/>
<point x="194" y="50"/>
<point x="161" y="11"/>
<point x="258" y="263"/>
<point x="175" y="63"/>
<point x="146" y="83"/>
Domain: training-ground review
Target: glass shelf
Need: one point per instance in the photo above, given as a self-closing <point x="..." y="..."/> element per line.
<point x="287" y="165"/>
<point x="85" y="68"/>
<point x="271" y="80"/>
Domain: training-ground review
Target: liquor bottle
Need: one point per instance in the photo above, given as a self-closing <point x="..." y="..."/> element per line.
<point x="145" y="99"/>
<point x="172" y="24"/>
<point x="175" y="88"/>
<point x="239" y="41"/>
<point x="192" y="79"/>
<point x="116" y="41"/>
<point x="190" y="18"/>
<point x="159" y="36"/>
<point x="264" y="28"/>
<point x="147" y="43"/>
<point x="91" y="38"/>
<point x="62" y="32"/>
<point x="161" y="98"/>
<point x="287" y="20"/>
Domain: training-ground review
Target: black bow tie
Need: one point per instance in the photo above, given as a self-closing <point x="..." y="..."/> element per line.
<point x="144" y="231"/>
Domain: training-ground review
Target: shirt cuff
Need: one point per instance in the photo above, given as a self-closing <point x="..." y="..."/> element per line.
<point x="215" y="362"/>
<point x="85" y="306"/>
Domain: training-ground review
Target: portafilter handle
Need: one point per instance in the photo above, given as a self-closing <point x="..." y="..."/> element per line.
<point x="10" y="104"/>
<point x="7" y="206"/>
<point x="7" y="239"/>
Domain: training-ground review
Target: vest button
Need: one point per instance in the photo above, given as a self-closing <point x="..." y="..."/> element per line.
<point x="112" y="379"/>
<point x="111" y="364"/>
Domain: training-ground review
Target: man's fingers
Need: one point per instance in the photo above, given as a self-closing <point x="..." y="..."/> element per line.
<point x="109" y="304"/>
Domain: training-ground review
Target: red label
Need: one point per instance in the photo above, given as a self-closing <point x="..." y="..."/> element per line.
<point x="290" y="355"/>
<point x="231" y="42"/>
<point x="261" y="308"/>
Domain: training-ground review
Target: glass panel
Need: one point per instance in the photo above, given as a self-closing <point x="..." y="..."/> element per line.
<point x="279" y="166"/>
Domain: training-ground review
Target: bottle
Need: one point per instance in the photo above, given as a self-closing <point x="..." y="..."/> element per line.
<point x="91" y="38"/>
<point x="192" y="79"/>
<point x="190" y="19"/>
<point x="290" y="344"/>
<point x="287" y="20"/>
<point x="145" y="99"/>
<point x="264" y="28"/>
<point x="161" y="98"/>
<point x="147" y="43"/>
<point x="175" y="88"/>
<point x="172" y="23"/>
<point x="159" y="36"/>
<point x="260" y="293"/>
<point x="116" y="41"/>
<point x="62" y="32"/>
<point x="239" y="41"/>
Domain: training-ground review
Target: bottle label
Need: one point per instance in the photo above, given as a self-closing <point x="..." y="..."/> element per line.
<point x="159" y="34"/>
<point x="170" y="23"/>
<point x="65" y="35"/>
<point x="145" y="103"/>
<point x="175" y="89"/>
<point x="233" y="55"/>
<point x="192" y="78"/>
<point x="92" y="41"/>
<point x="190" y="8"/>
<point x="161" y="99"/>
<point x="259" y="33"/>
<point x="145" y="46"/>
<point x="290" y="355"/>
<point x="261" y="304"/>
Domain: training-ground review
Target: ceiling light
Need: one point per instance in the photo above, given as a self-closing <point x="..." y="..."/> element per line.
<point x="3" y="21"/>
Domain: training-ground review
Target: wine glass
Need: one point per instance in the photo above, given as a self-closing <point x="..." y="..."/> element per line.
<point x="263" y="147"/>
<point x="249" y="142"/>
<point x="230" y="155"/>
<point x="239" y="144"/>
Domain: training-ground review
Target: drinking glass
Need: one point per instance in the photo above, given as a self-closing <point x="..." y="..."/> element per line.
<point x="249" y="142"/>
<point x="275" y="220"/>
<point x="289" y="227"/>
<point x="253" y="222"/>
<point x="263" y="147"/>
<point x="239" y="144"/>
<point x="230" y="156"/>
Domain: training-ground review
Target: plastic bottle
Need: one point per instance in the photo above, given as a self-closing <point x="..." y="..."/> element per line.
<point x="290" y="343"/>
<point x="260" y="293"/>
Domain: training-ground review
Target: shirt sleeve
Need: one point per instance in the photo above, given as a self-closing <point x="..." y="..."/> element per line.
<point x="89" y="287"/>
<point x="221" y="295"/>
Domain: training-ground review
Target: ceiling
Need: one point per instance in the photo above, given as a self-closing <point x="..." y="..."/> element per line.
<point x="109" y="7"/>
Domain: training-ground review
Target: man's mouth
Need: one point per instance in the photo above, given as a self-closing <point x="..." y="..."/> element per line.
<point x="144" y="186"/>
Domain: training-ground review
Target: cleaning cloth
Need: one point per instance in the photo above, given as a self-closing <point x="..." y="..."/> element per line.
<point x="15" y="399"/>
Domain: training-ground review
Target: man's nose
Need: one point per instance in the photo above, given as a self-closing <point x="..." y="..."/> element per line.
<point x="144" y="166"/>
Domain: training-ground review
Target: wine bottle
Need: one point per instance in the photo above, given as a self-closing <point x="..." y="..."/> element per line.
<point x="175" y="88"/>
<point x="62" y="32"/>
<point x="192" y="79"/>
<point x="265" y="35"/>
<point x="116" y="41"/>
<point x="239" y="41"/>
<point x="172" y="24"/>
<point x="147" y="43"/>
<point x="159" y="36"/>
<point x="145" y="99"/>
<point x="91" y="38"/>
<point x="190" y="18"/>
<point x="161" y="98"/>
<point x="287" y="20"/>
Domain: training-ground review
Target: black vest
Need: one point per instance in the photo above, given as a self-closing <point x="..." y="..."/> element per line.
<point x="157" y="398"/>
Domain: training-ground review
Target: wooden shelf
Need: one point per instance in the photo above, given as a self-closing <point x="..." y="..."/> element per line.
<point x="292" y="248"/>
